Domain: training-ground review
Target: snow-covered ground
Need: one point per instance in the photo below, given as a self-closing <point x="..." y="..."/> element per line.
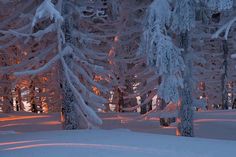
<point x="30" y="135"/>
<point x="210" y="124"/>
<point x="115" y="143"/>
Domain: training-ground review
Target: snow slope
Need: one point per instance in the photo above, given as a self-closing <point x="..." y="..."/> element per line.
<point x="115" y="143"/>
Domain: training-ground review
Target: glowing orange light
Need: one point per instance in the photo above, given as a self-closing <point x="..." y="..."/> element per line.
<point x="98" y="78"/>
<point x="96" y="90"/>
<point x="51" y="123"/>
<point x="82" y="145"/>
<point x="22" y="117"/>
<point x="177" y="132"/>
<point x="214" y="120"/>
<point x="116" y="38"/>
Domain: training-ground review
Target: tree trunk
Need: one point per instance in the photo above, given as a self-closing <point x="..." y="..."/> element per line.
<point x="146" y="107"/>
<point x="224" y="79"/>
<point x="40" y="101"/>
<point x="33" y="104"/>
<point x="143" y="107"/>
<point x="19" y="103"/>
<point x="120" y="101"/>
<point x="149" y="105"/>
<point x="7" y="99"/>
<point x="185" y="126"/>
<point x="71" y="118"/>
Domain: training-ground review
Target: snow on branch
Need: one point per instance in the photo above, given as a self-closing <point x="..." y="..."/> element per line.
<point x="90" y="115"/>
<point x="28" y="62"/>
<point x="94" y="99"/>
<point x="38" y="34"/>
<point x="219" y="5"/>
<point x="47" y="66"/>
<point x="90" y="80"/>
<point x="47" y="10"/>
<point x="224" y="29"/>
<point x="39" y="70"/>
<point x="161" y="51"/>
<point x="183" y="16"/>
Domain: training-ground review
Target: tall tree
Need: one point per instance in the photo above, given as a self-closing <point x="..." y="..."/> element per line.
<point x="183" y="21"/>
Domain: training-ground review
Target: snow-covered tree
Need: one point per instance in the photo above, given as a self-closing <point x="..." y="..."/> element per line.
<point x="78" y="62"/>
<point x="184" y="16"/>
<point x="184" y="21"/>
<point x="161" y="51"/>
<point x="225" y="30"/>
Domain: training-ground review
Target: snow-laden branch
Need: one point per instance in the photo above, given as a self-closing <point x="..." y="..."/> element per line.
<point x="88" y="66"/>
<point x="39" y="34"/>
<point x="161" y="51"/>
<point x="183" y="16"/>
<point x="47" y="10"/>
<point x="91" y="116"/>
<point x="224" y="29"/>
<point x="147" y="100"/>
<point x="90" y="97"/>
<point x="90" y="80"/>
<point x="39" y="70"/>
<point x="47" y="66"/>
<point x="219" y="5"/>
<point x="30" y="62"/>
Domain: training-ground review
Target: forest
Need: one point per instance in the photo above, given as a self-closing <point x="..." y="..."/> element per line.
<point x="114" y="68"/>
